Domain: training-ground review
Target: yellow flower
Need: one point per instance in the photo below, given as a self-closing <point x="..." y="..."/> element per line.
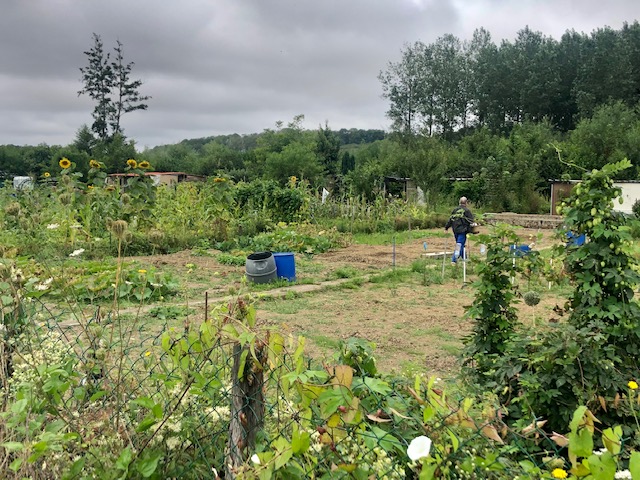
<point x="559" y="473"/>
<point x="90" y="187"/>
<point x="142" y="271"/>
<point x="64" y="163"/>
<point x="46" y="174"/>
<point x="144" y="164"/>
<point x="632" y="385"/>
<point x="94" y="164"/>
<point x="219" y="179"/>
<point x="132" y="163"/>
<point x="147" y="353"/>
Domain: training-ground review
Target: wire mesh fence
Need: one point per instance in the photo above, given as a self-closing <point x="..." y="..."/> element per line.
<point x="121" y="397"/>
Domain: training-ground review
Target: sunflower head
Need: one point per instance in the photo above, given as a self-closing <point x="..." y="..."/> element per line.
<point x="132" y="163"/>
<point x="144" y="165"/>
<point x="46" y="174"/>
<point x="94" y="164"/>
<point x="64" y="163"/>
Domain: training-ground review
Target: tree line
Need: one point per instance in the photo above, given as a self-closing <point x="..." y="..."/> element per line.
<point x="492" y="122"/>
<point x="451" y="85"/>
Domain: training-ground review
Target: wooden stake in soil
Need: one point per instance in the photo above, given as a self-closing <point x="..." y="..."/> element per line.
<point x="206" y="306"/>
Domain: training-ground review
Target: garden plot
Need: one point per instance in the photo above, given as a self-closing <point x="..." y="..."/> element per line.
<point x="417" y="323"/>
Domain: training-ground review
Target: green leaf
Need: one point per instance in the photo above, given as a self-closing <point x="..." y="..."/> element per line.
<point x="331" y="399"/>
<point x="634" y="465"/>
<point x="146" y="424"/>
<point x="148" y="465"/>
<point x="300" y="441"/>
<point x="55" y="426"/>
<point x="282" y="458"/>
<point x="16" y="464"/>
<point x="124" y="460"/>
<point x="145" y="402"/>
<point x="20" y="406"/>
<point x="75" y="469"/>
<point x="98" y="395"/>
<point x="577" y="418"/>
<point x="428" y="472"/>
<point x="12" y="446"/>
<point x="603" y="466"/>
<point x="376" y="385"/>
<point x="428" y="412"/>
<point x="612" y="440"/>
<point x="243" y="360"/>
<point x="385" y="440"/>
<point x="581" y="443"/>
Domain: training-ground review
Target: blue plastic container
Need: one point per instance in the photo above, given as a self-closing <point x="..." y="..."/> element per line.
<point x="575" y="240"/>
<point x="285" y="265"/>
<point x="519" y="250"/>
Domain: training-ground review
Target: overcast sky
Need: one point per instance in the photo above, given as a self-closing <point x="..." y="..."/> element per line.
<point x="238" y="66"/>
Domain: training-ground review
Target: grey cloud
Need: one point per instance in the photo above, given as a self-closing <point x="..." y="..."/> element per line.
<point x="225" y="66"/>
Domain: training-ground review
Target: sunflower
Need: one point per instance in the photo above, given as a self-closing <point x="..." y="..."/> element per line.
<point x="94" y="164"/>
<point x="132" y="163"/>
<point x="64" y="163"/>
<point x="144" y="164"/>
<point x="46" y="174"/>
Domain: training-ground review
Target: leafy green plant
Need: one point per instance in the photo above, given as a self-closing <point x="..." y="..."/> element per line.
<point x="494" y="316"/>
<point x="357" y="353"/>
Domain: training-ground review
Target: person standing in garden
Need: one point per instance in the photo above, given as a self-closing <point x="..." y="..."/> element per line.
<point x="460" y="222"/>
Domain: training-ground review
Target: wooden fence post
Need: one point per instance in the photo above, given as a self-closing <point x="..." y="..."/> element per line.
<point x="247" y="405"/>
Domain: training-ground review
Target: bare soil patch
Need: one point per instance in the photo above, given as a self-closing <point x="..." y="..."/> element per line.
<point x="415" y="327"/>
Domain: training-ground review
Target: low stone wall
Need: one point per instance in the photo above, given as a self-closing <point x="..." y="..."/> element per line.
<point x="527" y="221"/>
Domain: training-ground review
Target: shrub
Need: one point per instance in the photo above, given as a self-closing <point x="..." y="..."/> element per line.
<point x="589" y="359"/>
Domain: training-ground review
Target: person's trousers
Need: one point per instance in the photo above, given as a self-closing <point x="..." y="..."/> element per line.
<point x="461" y="239"/>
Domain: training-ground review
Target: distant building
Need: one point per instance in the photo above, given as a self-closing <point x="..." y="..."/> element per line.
<point x="400" y="187"/>
<point x="630" y="194"/>
<point x="22" y="183"/>
<point x="159" y="178"/>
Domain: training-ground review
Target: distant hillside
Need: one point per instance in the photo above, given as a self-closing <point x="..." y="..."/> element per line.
<point x="246" y="142"/>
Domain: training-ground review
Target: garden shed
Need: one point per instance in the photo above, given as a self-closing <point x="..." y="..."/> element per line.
<point x="560" y="189"/>
<point x="159" y="178"/>
<point x="401" y="187"/>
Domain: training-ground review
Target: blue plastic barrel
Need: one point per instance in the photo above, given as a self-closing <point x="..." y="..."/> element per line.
<point x="285" y="265"/>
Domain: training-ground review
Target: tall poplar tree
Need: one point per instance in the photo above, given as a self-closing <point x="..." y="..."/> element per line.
<point x="109" y="84"/>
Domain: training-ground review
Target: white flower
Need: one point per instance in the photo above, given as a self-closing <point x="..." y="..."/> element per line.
<point x="174" y="426"/>
<point x="255" y="459"/>
<point x="77" y="252"/>
<point x="44" y="285"/>
<point x="419" y="447"/>
<point x="53" y="226"/>
<point x="623" y="474"/>
<point x="172" y="443"/>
